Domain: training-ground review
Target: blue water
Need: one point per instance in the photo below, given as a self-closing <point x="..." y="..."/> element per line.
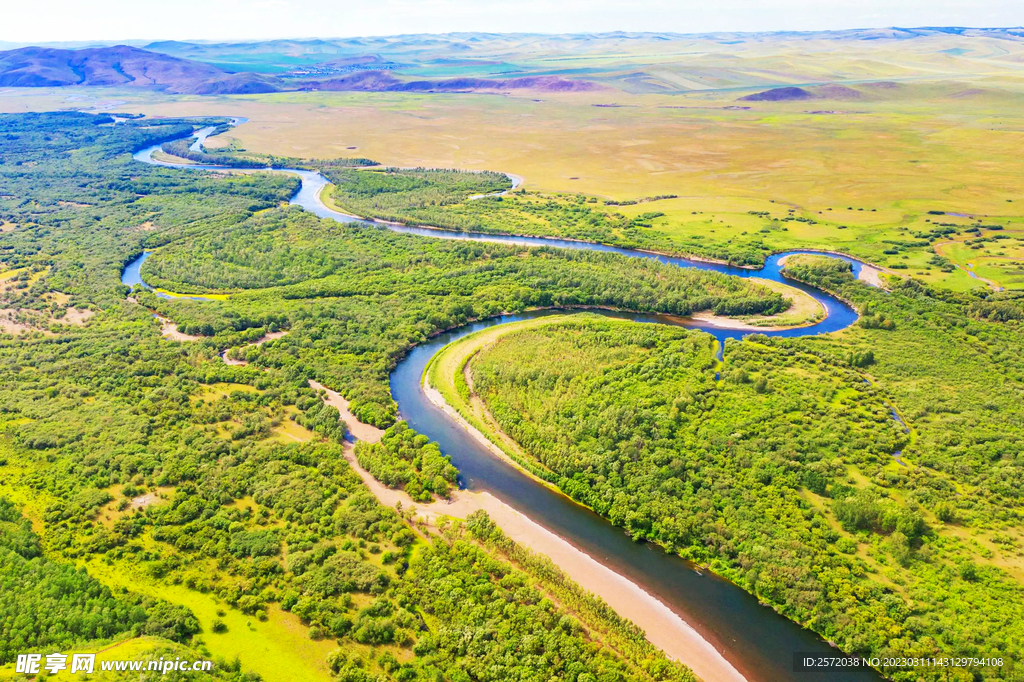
<point x="756" y="640"/>
<point x="201" y="136"/>
<point x="838" y="315"/>
<point x="131" y="276"/>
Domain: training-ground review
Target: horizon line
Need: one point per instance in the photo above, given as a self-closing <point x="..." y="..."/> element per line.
<point x="85" y="43"/>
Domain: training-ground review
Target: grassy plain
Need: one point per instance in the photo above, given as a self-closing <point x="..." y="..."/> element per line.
<point x="895" y="129"/>
<point x="277" y="649"/>
<point x="866" y="175"/>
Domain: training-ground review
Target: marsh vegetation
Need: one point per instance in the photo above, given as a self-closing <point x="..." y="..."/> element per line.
<point x="784" y="468"/>
<point x="181" y="499"/>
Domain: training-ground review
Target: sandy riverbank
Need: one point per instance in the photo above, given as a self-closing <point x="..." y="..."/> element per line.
<point x="723" y="322"/>
<point x="663" y="627"/>
<point x="804" y="311"/>
<point x="871" y="275"/>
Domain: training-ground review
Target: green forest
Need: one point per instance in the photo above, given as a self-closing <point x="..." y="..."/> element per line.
<point x="789" y="473"/>
<point x="357" y="298"/>
<point x="473" y="202"/>
<point x="408" y="460"/>
<point x="149" y="490"/>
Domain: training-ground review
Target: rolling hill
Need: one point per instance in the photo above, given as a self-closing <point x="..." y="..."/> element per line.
<point x="383" y="81"/>
<point x="122" y="65"/>
<point x="767" y="66"/>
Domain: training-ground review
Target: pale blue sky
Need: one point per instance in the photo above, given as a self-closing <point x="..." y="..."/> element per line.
<point x="106" y="20"/>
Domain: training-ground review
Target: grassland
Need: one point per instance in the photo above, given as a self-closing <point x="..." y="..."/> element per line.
<point x="895" y="130"/>
<point x="278" y="648"/>
<point x="774" y="174"/>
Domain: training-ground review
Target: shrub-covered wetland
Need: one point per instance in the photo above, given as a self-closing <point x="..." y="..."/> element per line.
<point x="833" y="477"/>
<point x="887" y="171"/>
<point x="957" y="250"/>
<point x="211" y="505"/>
<point x="171" y="485"/>
<point x="191" y="503"/>
<point x="864" y="484"/>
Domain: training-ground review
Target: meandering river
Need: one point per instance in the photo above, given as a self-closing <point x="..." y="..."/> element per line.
<point x="760" y="643"/>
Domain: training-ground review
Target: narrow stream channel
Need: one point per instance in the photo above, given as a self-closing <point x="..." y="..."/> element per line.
<point x="756" y="640"/>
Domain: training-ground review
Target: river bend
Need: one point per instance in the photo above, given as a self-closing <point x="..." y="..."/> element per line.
<point x="760" y="643"/>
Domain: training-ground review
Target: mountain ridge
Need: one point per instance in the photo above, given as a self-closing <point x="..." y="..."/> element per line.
<point x="122" y="65"/>
<point x="127" y="66"/>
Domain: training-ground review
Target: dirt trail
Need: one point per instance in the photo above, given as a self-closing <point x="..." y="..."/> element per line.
<point x="663" y="627"/>
<point x="169" y="330"/>
<point x="259" y="342"/>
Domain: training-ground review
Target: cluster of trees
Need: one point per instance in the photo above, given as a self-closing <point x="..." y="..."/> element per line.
<point x="619" y="633"/>
<point x="159" y="460"/>
<point x="814" y="269"/>
<point x="318" y="416"/>
<point x="1001" y="307"/>
<point x="408" y="460"/>
<point x="498" y="626"/>
<point x="357" y="298"/>
<point x="400" y="194"/>
<point x="791" y="475"/>
<point x="53" y="606"/>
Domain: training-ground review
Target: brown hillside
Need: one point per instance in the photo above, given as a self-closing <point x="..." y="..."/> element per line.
<point x="122" y="66"/>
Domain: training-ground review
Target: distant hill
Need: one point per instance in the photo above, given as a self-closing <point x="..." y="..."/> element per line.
<point x="383" y="81"/>
<point x="778" y="95"/>
<point x="122" y="65"/>
<point x="829" y="91"/>
<point x="637" y="63"/>
<point x="422" y="46"/>
<point x="37" y="67"/>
